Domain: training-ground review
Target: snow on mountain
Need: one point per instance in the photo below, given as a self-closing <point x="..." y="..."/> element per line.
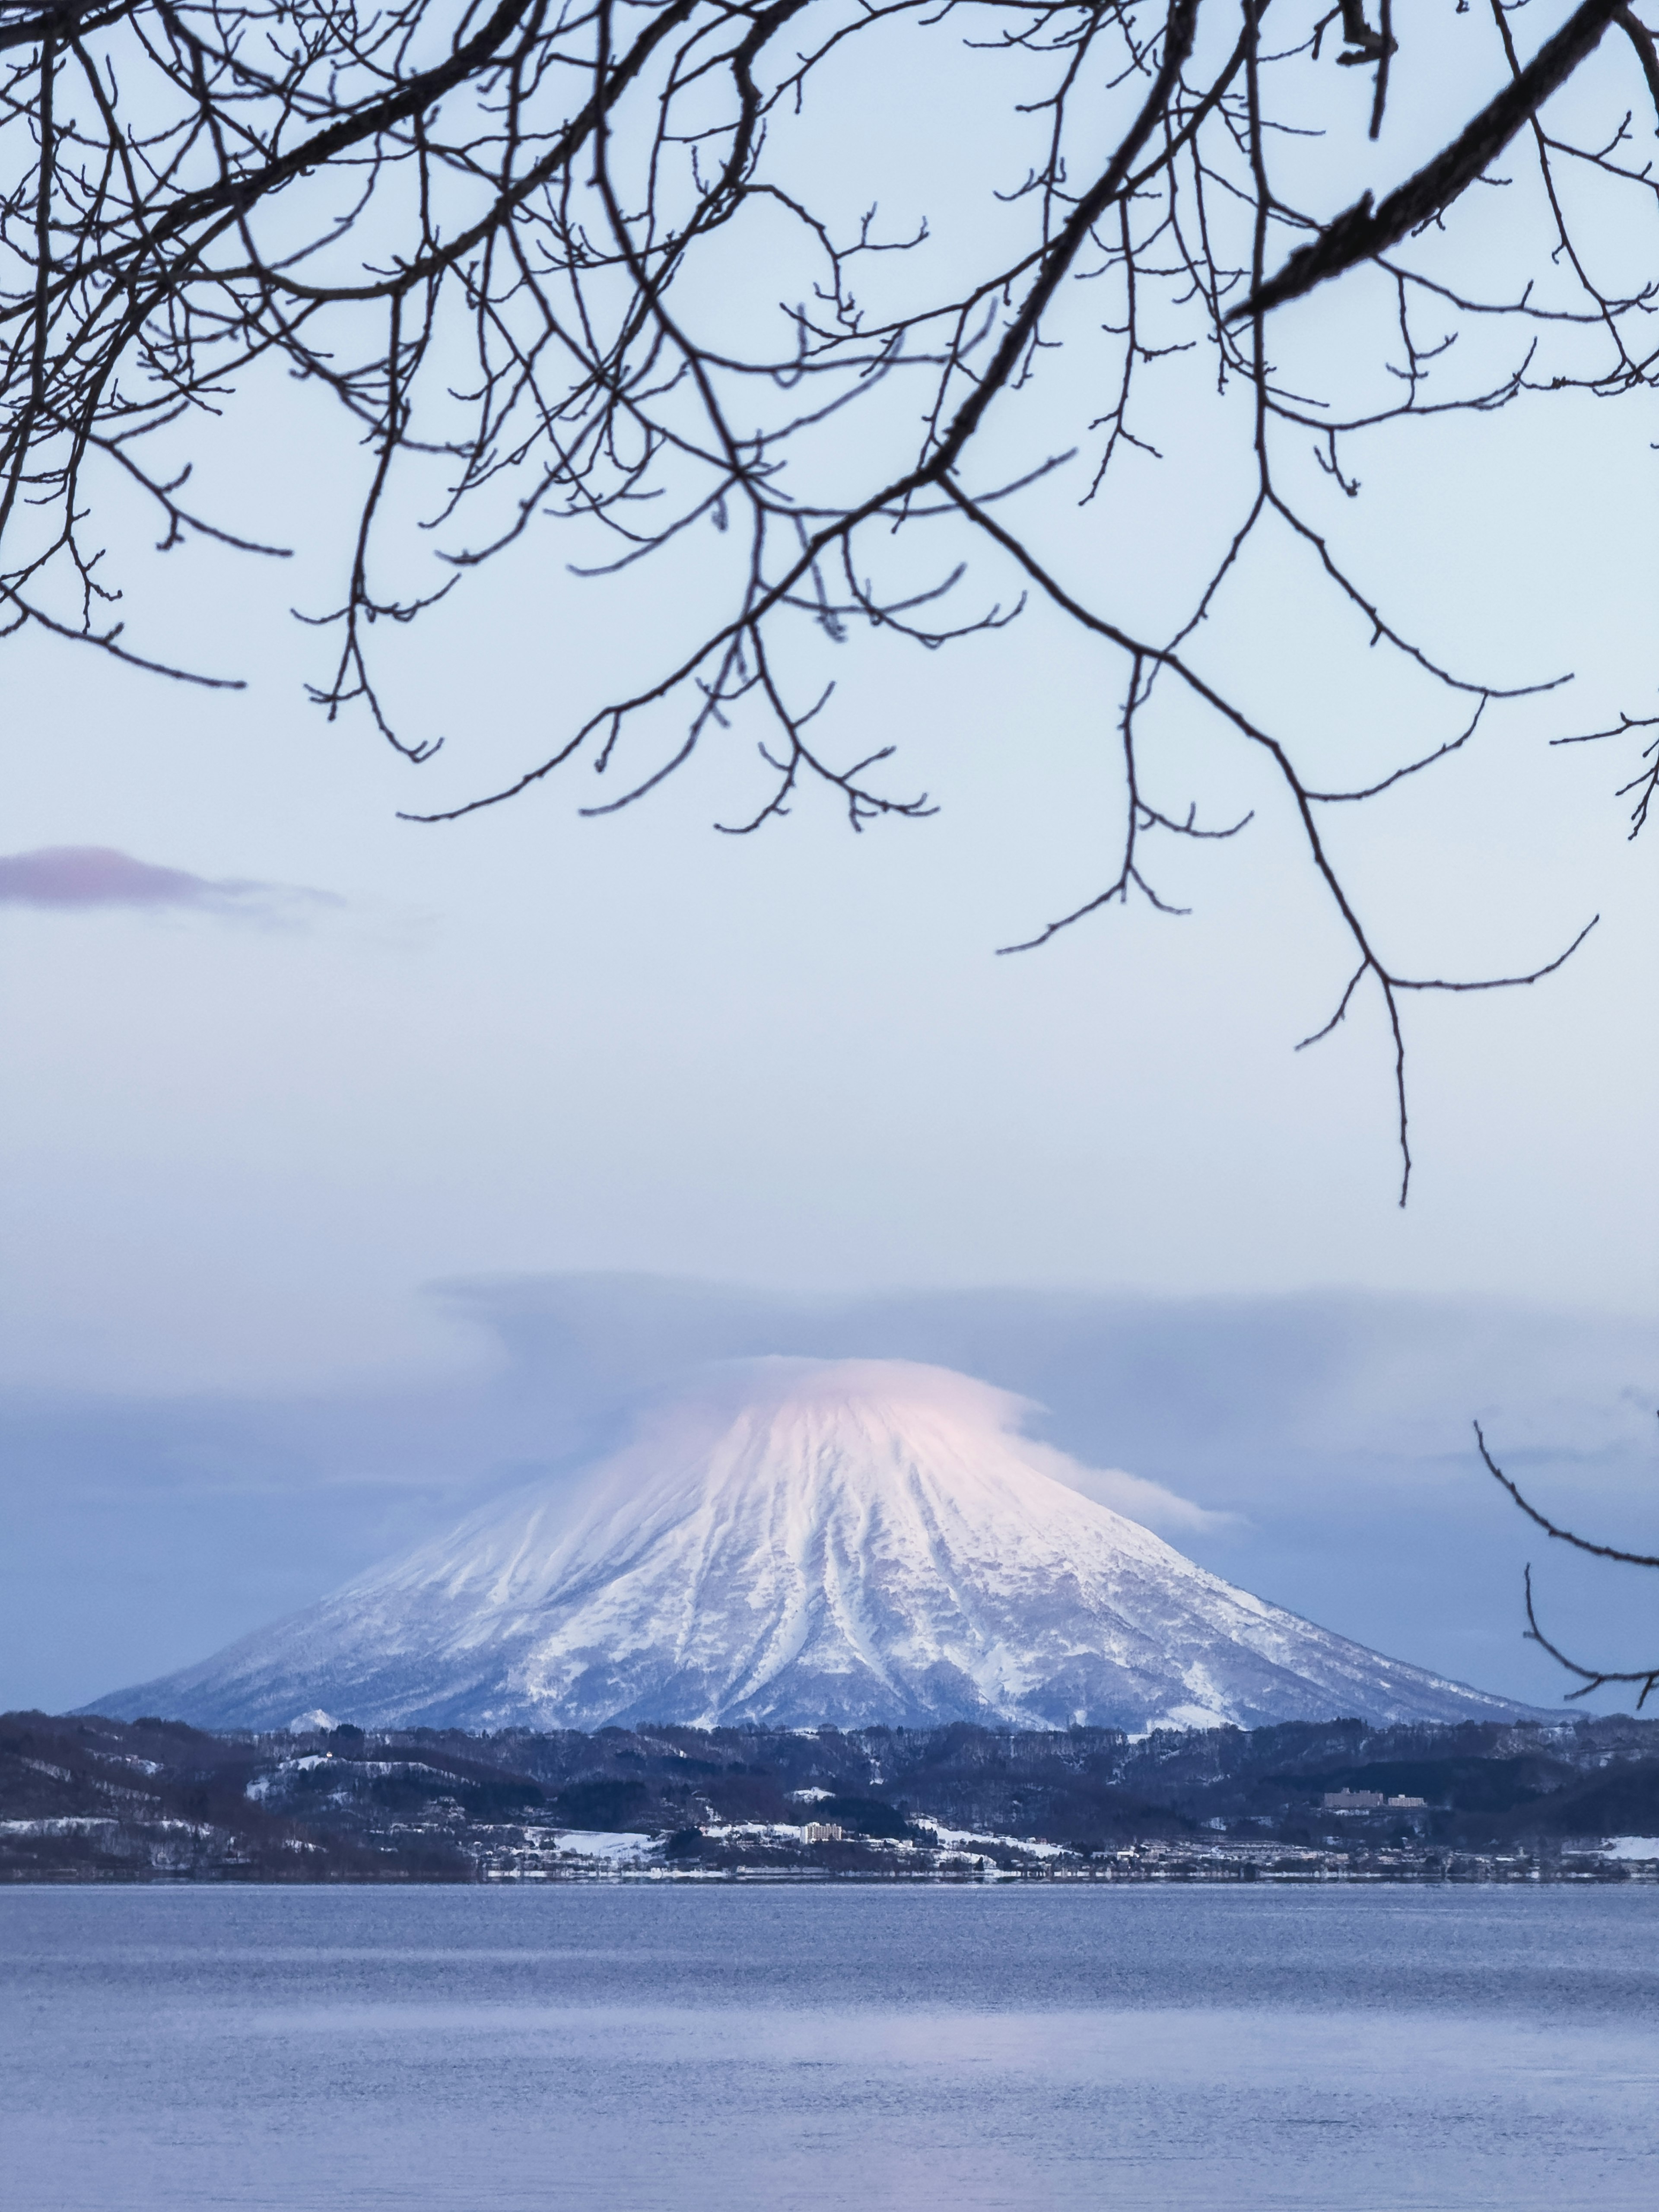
<point x="805" y="1542"/>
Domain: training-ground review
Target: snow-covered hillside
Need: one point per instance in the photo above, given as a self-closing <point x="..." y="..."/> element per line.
<point x="846" y="1542"/>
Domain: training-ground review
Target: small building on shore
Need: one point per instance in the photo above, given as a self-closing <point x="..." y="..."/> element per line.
<point x="1371" y="1801"/>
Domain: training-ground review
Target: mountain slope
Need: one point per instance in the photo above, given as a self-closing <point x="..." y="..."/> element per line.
<point x="845" y="1543"/>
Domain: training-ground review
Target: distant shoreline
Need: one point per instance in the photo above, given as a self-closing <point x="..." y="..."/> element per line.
<point x="85" y="1800"/>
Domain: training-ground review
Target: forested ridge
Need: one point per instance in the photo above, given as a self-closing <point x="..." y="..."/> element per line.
<point x="86" y="1798"/>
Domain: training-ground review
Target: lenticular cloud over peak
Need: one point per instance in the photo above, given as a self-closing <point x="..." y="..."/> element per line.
<point x="795" y="1543"/>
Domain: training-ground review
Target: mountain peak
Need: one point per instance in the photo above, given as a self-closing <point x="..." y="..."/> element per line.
<point x="800" y="1542"/>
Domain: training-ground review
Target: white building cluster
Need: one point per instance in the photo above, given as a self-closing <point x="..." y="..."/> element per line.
<point x="1371" y="1801"/>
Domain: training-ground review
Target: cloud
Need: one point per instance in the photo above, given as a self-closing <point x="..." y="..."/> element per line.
<point x="63" y="876"/>
<point x="688" y="1413"/>
<point x="1231" y="1396"/>
<point x="1151" y="1503"/>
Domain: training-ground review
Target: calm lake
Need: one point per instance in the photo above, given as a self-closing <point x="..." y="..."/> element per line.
<point x="629" y="2048"/>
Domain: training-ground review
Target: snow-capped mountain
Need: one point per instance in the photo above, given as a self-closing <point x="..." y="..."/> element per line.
<point x="807" y="1542"/>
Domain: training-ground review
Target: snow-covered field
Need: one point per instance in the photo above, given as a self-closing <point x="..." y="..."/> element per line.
<point x="605" y="1849"/>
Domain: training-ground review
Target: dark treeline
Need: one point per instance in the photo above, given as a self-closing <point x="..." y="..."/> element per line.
<point x="86" y="1798"/>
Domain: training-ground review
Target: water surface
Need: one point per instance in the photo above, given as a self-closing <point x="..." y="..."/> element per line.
<point x="725" y="2048"/>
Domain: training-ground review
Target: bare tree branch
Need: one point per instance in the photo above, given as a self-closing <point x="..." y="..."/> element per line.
<point x="594" y="267"/>
<point x="1362" y="233"/>
<point x="1589" y="1678"/>
<point x="1549" y="1527"/>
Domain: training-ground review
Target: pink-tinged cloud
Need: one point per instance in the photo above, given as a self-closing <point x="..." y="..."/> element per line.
<point x="99" y="876"/>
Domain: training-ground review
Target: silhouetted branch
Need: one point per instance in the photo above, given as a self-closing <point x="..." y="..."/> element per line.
<point x="507" y="245"/>
<point x="1549" y="1527"/>
<point x="1647" y="51"/>
<point x="1591" y="1678"/>
<point x="1645" y="783"/>
<point x="1362" y="231"/>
